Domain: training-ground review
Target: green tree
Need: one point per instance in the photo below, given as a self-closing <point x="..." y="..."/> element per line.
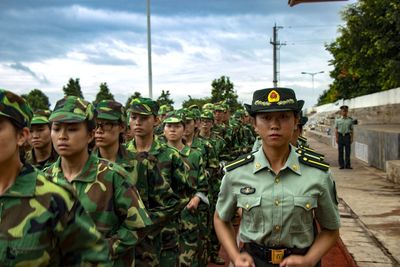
<point x="366" y="55"/>
<point x="223" y="90"/>
<point x="164" y="98"/>
<point x="73" y="88"/>
<point x="37" y="100"/>
<point x="135" y="95"/>
<point x="103" y="94"/>
<point x="195" y="101"/>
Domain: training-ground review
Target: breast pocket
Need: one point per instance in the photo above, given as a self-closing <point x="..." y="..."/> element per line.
<point x="30" y="250"/>
<point x="252" y="217"/>
<point x="302" y="216"/>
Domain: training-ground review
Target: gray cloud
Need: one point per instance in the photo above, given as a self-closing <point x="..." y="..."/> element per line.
<point x="19" y="66"/>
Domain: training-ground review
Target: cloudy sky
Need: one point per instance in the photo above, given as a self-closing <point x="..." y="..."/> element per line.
<point x="46" y="42"/>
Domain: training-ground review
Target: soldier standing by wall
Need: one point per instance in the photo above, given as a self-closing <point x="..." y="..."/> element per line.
<point x="344" y="137"/>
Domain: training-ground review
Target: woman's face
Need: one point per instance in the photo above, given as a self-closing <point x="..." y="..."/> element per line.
<point x="275" y="128"/>
<point x="70" y="139"/>
<point x="40" y="135"/>
<point x="107" y="132"/>
<point x="142" y="125"/>
<point x="10" y="139"/>
<point x="174" y="131"/>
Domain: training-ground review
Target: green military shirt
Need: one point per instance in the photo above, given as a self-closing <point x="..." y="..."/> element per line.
<point x="43" y="224"/>
<point x="112" y="201"/>
<point x="278" y="208"/>
<point x="344" y="125"/>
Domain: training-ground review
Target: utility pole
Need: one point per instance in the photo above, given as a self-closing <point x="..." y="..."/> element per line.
<point x="149" y="50"/>
<point x="276" y="45"/>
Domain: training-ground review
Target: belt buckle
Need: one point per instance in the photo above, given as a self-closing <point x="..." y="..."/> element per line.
<point x="277" y="255"/>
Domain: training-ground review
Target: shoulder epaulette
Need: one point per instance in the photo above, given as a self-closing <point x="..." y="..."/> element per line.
<point x="314" y="162"/>
<point x="302" y="138"/>
<point x="242" y="160"/>
<point x="310" y="153"/>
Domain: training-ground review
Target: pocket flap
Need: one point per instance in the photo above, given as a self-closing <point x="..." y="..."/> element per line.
<point x="248" y="202"/>
<point x="306" y="202"/>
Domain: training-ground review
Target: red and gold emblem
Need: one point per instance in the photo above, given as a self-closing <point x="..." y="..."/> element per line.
<point x="273" y="96"/>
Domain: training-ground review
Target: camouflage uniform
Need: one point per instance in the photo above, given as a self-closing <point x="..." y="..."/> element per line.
<point x="161" y="184"/>
<point x="42" y="223"/>
<point x="105" y="191"/>
<point x="192" y="247"/>
<point x="41" y="117"/>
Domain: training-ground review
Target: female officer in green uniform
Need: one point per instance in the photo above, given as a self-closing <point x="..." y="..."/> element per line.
<point x="279" y="192"/>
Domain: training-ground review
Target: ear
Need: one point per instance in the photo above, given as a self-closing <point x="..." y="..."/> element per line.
<point x="23" y="136"/>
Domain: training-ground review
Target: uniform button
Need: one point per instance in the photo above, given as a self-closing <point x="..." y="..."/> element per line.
<point x="276" y="202"/>
<point x="247" y="206"/>
<point x="308" y="205"/>
<point x="277" y="180"/>
<point x="277" y="228"/>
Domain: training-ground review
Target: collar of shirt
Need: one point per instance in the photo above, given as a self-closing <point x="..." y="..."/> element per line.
<point x="88" y="173"/>
<point x="261" y="162"/>
<point x="24" y="185"/>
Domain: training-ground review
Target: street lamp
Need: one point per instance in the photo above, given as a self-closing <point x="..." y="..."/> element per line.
<point x="149" y="50"/>
<point x="312" y="76"/>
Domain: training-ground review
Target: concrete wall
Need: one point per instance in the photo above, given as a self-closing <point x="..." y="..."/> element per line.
<point x="376" y="144"/>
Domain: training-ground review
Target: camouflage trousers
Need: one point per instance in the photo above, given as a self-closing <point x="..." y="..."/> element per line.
<point x="204" y="233"/>
<point x="147" y="252"/>
<point x="213" y="197"/>
<point x="169" y="241"/>
<point x="189" y="242"/>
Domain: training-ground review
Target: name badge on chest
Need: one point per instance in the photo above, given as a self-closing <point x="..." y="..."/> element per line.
<point x="247" y="190"/>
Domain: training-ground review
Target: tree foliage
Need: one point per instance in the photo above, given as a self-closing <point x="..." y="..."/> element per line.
<point x="196" y="101"/>
<point x="73" y="88"/>
<point x="222" y="90"/>
<point x="165" y="98"/>
<point x="37" y="100"/>
<point x="366" y="55"/>
<point x="103" y="94"/>
<point x="135" y="95"/>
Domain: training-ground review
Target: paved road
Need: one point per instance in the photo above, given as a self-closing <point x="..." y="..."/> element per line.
<point x="370" y="211"/>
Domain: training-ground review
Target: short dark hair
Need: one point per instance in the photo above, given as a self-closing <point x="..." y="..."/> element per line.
<point x="344" y="107"/>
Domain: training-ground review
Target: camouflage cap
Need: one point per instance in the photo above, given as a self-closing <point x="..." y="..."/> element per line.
<point x="16" y="108"/>
<point x="196" y="113"/>
<point x="239" y="113"/>
<point x="41" y="117"/>
<point x="174" y="117"/>
<point x="72" y="109"/>
<point x="164" y="109"/>
<point x="110" y="110"/>
<point x="273" y="100"/>
<point x="219" y="107"/>
<point x="209" y="106"/>
<point x="207" y="114"/>
<point x="194" y="106"/>
<point x="144" y="106"/>
<point x="188" y="114"/>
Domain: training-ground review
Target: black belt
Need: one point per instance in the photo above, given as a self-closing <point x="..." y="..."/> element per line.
<point x="345" y="134"/>
<point x="273" y="255"/>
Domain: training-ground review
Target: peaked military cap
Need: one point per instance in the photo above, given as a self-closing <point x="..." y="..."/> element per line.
<point x="110" y="110"/>
<point x="207" y="114"/>
<point x="209" y="106"/>
<point x="41" y="117"/>
<point x="164" y="109"/>
<point x="274" y="99"/>
<point x="303" y="119"/>
<point x="174" y="117"/>
<point x="144" y="106"/>
<point x="344" y="107"/>
<point x="15" y="108"/>
<point x="72" y="109"/>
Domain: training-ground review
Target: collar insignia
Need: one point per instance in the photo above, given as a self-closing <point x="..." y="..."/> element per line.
<point x="247" y="190"/>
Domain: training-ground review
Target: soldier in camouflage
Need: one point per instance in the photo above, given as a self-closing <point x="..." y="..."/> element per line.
<point x="42" y="154"/>
<point x="105" y="189"/>
<point x="109" y="134"/>
<point x="41" y="223"/>
<point x="161" y="174"/>
<point x="162" y="112"/>
<point x="192" y="247"/>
